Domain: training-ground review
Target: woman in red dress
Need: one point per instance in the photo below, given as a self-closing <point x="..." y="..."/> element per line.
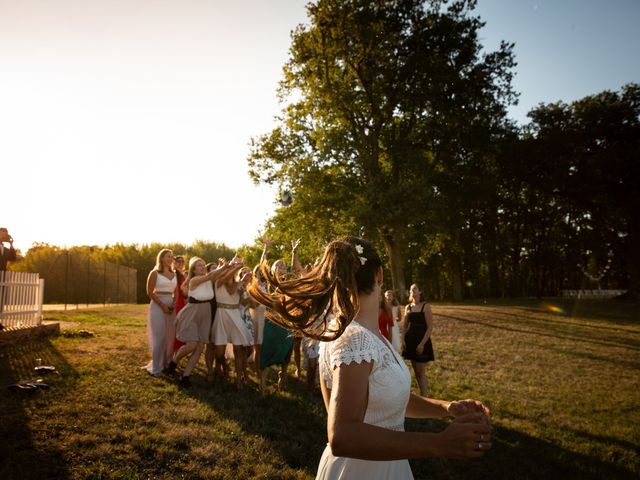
<point x="385" y="319"/>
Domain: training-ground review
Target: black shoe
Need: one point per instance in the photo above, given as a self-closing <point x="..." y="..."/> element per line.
<point x="185" y="382"/>
<point x="171" y="369"/>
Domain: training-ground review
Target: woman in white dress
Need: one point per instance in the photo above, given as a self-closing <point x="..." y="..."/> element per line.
<point x="193" y="323"/>
<point x="365" y="383"/>
<point x="161" y="288"/>
<point x="228" y="326"/>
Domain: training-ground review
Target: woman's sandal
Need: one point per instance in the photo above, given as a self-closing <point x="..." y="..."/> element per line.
<point x="28" y="386"/>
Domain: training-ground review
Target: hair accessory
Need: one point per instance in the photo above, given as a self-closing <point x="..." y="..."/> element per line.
<point x="360" y="251"/>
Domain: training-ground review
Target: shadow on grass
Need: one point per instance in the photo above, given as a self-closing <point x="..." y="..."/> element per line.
<point x="293" y="422"/>
<point x="23" y="457"/>
<point x="611" y="311"/>
<point x="615" y="445"/>
<point x="557" y="328"/>
<point x="560" y="318"/>
<point x="554" y="335"/>
<point x="515" y="455"/>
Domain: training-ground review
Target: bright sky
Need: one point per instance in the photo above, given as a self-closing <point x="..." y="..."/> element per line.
<point x="129" y="120"/>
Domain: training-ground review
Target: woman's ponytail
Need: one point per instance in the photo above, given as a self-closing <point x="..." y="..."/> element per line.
<point x="321" y="303"/>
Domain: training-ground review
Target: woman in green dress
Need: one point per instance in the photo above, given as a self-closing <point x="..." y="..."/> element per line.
<point x="277" y="342"/>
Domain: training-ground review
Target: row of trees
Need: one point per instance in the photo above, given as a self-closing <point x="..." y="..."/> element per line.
<point x="394" y="126"/>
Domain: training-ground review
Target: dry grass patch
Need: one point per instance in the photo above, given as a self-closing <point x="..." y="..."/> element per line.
<point x="563" y="388"/>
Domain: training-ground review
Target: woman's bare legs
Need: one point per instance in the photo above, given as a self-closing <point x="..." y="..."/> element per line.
<point x="312" y="368"/>
<point x="240" y="359"/>
<point x="208" y="360"/>
<point x="193" y="359"/>
<point x="297" y="343"/>
<point x="419" y="369"/>
<point x="184" y="350"/>
<point x="282" y="376"/>
<point x="263" y="380"/>
<point x="256" y="358"/>
<point x="220" y="360"/>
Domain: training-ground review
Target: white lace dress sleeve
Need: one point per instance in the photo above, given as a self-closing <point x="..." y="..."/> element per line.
<point x="355" y="345"/>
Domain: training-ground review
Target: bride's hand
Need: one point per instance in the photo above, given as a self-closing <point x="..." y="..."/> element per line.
<point x="463" y="407"/>
<point x="467" y="437"/>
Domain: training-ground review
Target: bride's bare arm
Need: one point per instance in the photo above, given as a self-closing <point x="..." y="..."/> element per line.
<point x="349" y="436"/>
<point x="422" y="407"/>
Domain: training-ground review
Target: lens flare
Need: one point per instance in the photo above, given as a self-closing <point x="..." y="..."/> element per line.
<point x="553" y="309"/>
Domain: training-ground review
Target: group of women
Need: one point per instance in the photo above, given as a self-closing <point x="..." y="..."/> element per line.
<point x="208" y="309"/>
<point x="410" y="332"/>
<point x="365" y="383"/>
<point x="179" y="328"/>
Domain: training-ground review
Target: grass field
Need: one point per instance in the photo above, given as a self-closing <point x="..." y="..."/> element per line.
<point x="561" y="378"/>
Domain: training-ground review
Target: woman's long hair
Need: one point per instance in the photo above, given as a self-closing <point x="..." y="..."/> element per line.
<point x="384" y="306"/>
<point x="421" y="295"/>
<point x="395" y="300"/>
<point x="159" y="266"/>
<point x="190" y="274"/>
<point x="329" y="291"/>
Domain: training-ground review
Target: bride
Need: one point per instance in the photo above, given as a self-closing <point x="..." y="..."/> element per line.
<point x="365" y="384"/>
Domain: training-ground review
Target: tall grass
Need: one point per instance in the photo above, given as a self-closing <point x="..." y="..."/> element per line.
<point x="563" y="386"/>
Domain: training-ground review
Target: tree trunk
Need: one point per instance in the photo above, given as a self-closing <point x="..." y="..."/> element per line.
<point x="492" y="261"/>
<point x="456" y="276"/>
<point x="393" y="242"/>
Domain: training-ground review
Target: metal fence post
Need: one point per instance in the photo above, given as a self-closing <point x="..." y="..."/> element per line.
<point x="88" y="279"/>
<point x="104" y="285"/>
<point x="66" y="281"/>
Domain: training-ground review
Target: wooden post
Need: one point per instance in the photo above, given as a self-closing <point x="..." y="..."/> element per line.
<point x="40" y="300"/>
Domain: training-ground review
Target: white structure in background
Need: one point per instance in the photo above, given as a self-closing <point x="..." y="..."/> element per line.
<point x="599" y="294"/>
<point x="21" y="297"/>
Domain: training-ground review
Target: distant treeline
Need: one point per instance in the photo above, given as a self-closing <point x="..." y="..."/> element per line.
<point x="111" y="274"/>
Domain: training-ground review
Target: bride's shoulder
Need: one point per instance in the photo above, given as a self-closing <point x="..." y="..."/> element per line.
<point x="354" y="337"/>
<point x="356" y="344"/>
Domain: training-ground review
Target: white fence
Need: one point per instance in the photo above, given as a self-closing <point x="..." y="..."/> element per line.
<point x="597" y="294"/>
<point x="21" y="296"/>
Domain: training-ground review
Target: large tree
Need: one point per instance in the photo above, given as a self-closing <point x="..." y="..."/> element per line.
<point x="381" y="98"/>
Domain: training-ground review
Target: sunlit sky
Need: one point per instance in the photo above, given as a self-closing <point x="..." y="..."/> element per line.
<point x="129" y="120"/>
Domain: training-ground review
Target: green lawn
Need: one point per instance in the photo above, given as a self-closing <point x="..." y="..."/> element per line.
<point x="563" y="386"/>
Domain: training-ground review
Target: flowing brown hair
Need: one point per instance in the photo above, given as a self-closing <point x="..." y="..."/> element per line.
<point x="159" y="266"/>
<point x="329" y="291"/>
<point x="413" y="300"/>
<point x="190" y="273"/>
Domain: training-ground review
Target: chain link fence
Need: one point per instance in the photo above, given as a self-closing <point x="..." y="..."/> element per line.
<point x="73" y="278"/>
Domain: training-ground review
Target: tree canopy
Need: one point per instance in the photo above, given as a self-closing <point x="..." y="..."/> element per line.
<point x="387" y="105"/>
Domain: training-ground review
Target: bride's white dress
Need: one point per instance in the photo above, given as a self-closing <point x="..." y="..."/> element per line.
<point x="389" y="390"/>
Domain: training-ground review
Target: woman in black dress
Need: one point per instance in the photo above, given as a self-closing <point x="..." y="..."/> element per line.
<point x="418" y="325"/>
